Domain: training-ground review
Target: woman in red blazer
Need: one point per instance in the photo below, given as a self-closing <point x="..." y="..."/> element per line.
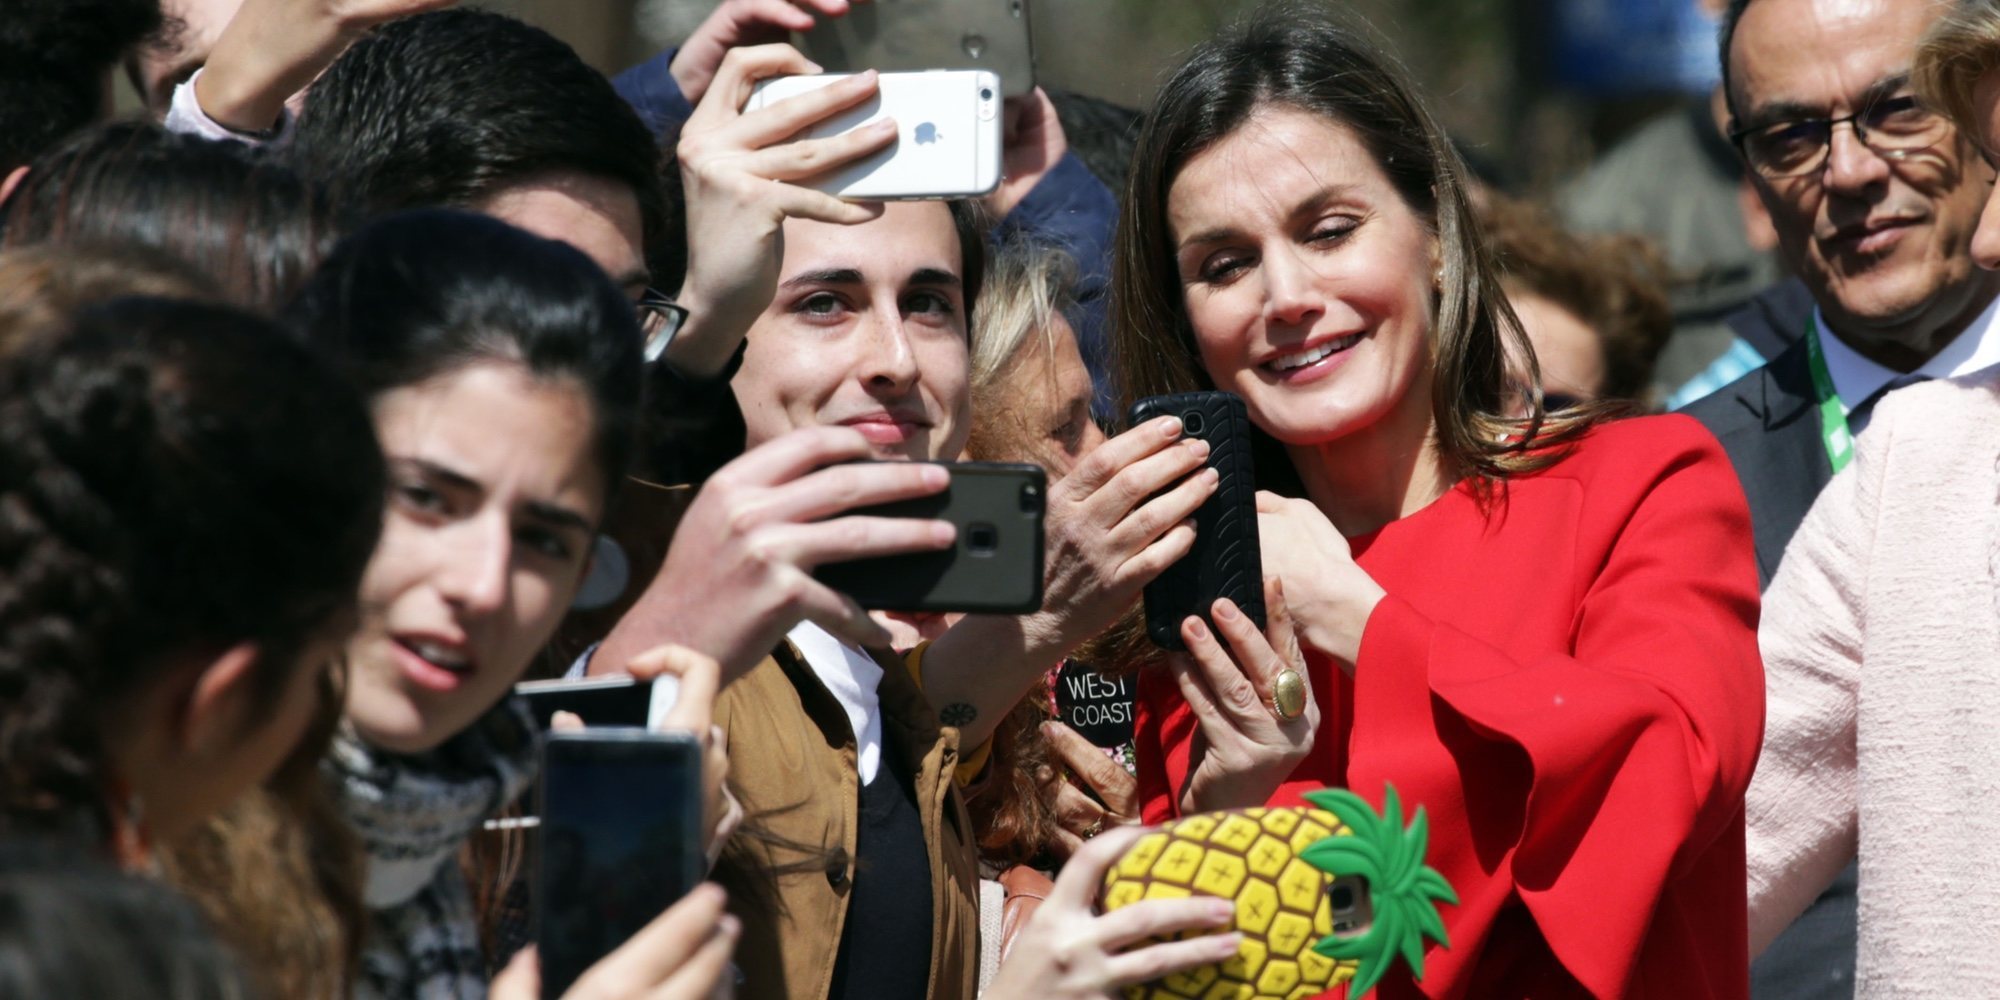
<point x="1541" y="630"/>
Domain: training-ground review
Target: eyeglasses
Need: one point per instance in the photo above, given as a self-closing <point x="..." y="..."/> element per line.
<point x="659" y="320"/>
<point x="1894" y="128"/>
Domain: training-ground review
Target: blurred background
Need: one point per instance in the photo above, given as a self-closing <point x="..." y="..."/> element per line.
<point x="1533" y="88"/>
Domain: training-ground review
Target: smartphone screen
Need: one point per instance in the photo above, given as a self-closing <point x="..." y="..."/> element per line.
<point x="621" y="841"/>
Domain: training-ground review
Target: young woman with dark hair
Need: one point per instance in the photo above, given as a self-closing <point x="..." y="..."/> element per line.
<point x="503" y="373"/>
<point x="189" y="501"/>
<point x="1540" y="630"/>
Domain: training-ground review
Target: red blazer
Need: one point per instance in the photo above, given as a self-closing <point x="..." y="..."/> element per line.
<point x="1571" y="688"/>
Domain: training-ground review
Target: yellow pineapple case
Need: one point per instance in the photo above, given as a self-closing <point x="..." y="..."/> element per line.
<point x="1325" y="894"/>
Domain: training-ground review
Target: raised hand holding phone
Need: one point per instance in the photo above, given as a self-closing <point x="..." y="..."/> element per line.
<point x="738" y="575"/>
<point x="739" y="170"/>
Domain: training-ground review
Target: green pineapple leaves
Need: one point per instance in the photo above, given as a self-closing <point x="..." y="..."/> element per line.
<point x="1403" y="890"/>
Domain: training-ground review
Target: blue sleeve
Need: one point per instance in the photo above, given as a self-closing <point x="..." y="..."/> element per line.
<point x="653" y="92"/>
<point x="1071" y="209"/>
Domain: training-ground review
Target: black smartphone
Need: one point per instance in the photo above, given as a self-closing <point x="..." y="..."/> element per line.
<point x="1225" y="560"/>
<point x="897" y="35"/>
<point x="599" y="701"/>
<point x="996" y="564"/>
<point x="621" y="841"/>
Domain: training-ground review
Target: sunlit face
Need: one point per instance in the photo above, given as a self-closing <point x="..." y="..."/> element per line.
<point x="1570" y="353"/>
<point x="1042" y="411"/>
<point x="597" y="216"/>
<point x="1881" y="242"/>
<point x="1986" y="106"/>
<point x="494" y="495"/>
<point x="868" y="331"/>
<point x="193" y="26"/>
<point x="1307" y="278"/>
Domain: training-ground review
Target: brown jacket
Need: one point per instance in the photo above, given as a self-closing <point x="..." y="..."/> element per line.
<point x="792" y="762"/>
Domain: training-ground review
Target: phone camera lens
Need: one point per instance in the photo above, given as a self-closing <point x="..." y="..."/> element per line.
<point x="1192" y="423"/>
<point x="981" y="539"/>
<point x="1031" y="499"/>
<point x="986" y="93"/>
<point x="1342" y="898"/>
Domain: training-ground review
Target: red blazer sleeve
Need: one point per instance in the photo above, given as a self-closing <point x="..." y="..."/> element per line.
<point x="1612" y="770"/>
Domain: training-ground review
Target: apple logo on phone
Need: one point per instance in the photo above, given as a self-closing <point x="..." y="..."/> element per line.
<point x="927" y="133"/>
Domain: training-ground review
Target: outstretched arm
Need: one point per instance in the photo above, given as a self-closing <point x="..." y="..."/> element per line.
<point x="272" y="49"/>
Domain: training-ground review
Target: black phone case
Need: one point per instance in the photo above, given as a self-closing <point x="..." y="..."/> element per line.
<point x="1006" y="498"/>
<point x="1225" y="560"/>
<point x="597" y="701"/>
<point x="673" y="859"/>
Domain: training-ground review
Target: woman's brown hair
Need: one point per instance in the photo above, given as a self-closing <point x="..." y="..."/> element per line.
<point x="1304" y="56"/>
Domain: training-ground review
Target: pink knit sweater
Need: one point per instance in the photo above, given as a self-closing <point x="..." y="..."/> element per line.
<point x="1881" y="642"/>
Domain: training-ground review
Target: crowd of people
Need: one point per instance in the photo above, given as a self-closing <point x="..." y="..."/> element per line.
<point x="401" y="357"/>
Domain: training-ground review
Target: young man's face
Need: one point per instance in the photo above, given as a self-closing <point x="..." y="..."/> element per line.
<point x="868" y="330"/>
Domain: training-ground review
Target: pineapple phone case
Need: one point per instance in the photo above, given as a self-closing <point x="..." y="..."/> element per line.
<point x="1325" y="894"/>
<point x="1225" y="560"/>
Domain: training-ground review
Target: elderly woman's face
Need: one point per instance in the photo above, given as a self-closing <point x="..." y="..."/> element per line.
<point x="1043" y="407"/>
<point x="1986" y="105"/>
<point x="1308" y="279"/>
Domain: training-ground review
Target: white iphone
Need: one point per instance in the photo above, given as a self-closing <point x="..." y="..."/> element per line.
<point x="947" y="134"/>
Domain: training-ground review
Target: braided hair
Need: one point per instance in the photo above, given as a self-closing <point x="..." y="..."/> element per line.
<point x="174" y="477"/>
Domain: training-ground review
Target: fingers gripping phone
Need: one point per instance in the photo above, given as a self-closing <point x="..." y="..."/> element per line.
<point x="948" y="135"/>
<point x="892" y="35"/>
<point x="994" y="566"/>
<point x="621" y="841"/>
<point x="1225" y="560"/>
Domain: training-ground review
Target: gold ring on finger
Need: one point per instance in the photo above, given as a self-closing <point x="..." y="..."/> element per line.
<point x="1288" y="694"/>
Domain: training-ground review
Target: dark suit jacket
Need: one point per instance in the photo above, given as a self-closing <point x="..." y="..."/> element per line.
<point x="1769" y="424"/>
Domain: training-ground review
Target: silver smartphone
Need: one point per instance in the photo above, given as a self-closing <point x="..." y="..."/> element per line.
<point x="948" y="140"/>
<point x="896" y="35"/>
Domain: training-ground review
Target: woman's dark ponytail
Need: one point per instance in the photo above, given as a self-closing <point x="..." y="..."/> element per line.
<point x="174" y="477"/>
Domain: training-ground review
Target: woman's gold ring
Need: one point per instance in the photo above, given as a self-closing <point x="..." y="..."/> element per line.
<point x="1288" y="694"/>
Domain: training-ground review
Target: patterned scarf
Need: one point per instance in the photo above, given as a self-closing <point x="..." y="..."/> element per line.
<point x="413" y="813"/>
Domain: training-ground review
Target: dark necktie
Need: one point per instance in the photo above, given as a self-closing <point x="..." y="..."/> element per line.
<point x="1857" y="421"/>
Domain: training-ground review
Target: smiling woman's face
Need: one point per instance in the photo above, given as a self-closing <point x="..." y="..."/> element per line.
<point x="494" y="495"/>
<point x="1307" y="278"/>
<point x="867" y="330"/>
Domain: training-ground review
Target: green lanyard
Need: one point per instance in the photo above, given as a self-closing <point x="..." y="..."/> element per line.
<point x="1832" y="416"/>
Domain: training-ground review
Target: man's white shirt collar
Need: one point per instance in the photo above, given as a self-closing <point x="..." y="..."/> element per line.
<point x="1856" y="378"/>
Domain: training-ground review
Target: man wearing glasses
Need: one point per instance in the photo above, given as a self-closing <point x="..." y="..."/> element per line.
<point x="1875" y="199"/>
